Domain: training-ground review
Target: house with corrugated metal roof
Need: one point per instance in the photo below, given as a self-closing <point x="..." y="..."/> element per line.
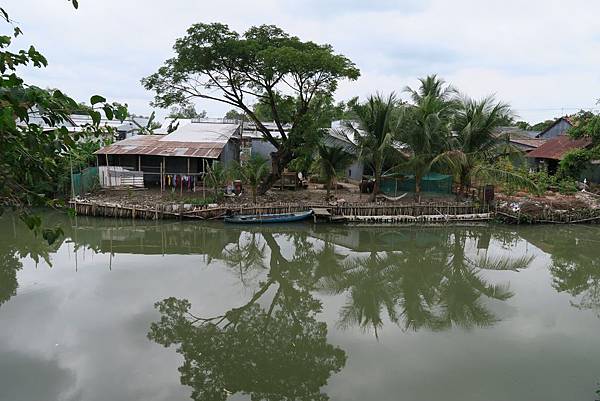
<point x="557" y="144"/>
<point x="179" y="159"/>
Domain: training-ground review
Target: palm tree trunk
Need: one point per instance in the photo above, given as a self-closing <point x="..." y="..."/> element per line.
<point x="376" y="186"/>
<point x="328" y="187"/>
<point x="418" y="187"/>
<point x="254" y="194"/>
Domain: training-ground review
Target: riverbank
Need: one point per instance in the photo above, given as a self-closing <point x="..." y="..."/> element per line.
<point x="349" y="206"/>
<point x="552" y="208"/>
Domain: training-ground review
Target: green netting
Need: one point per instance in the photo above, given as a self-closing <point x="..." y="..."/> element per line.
<point x="85" y="181"/>
<point x="432" y="182"/>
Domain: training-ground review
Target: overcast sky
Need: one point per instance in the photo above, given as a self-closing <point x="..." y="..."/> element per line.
<point x="542" y="57"/>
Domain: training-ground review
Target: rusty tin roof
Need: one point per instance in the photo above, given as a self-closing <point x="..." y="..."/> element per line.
<point x="557" y="147"/>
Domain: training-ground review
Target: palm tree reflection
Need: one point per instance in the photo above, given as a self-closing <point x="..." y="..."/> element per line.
<point x="431" y="285"/>
<point x="274" y="348"/>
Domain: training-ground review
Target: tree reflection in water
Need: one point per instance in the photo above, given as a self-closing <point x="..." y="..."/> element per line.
<point x="16" y="243"/>
<point x="575" y="254"/>
<point x="280" y="351"/>
<point x="275" y="353"/>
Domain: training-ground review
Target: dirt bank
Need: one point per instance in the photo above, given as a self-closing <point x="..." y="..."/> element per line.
<point x="551" y="208"/>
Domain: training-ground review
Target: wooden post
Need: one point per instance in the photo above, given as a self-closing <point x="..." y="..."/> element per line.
<point x="107" y="170"/>
<point x="188" y="170"/>
<point x="162" y="181"/>
<point x="164" y="163"/>
<point x="203" y="179"/>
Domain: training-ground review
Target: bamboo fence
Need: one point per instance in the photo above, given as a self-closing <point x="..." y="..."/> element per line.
<point x="357" y="212"/>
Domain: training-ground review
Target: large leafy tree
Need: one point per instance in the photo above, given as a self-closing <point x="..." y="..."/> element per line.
<point x="264" y="65"/>
<point x="33" y="138"/>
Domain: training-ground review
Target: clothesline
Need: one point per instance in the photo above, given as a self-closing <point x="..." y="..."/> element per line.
<point x="180" y="181"/>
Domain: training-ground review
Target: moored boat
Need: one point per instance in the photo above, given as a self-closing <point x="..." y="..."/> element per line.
<point x="268" y="218"/>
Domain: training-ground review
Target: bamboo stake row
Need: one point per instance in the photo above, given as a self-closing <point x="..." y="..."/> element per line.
<point x="357" y="211"/>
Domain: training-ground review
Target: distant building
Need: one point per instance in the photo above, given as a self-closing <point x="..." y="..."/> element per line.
<point x="548" y="156"/>
<point x="185" y="154"/>
<point x="342" y="136"/>
<point x="557" y="144"/>
<point x="254" y="142"/>
<point x="523" y="140"/>
<point x="77" y="123"/>
<point x="559" y="127"/>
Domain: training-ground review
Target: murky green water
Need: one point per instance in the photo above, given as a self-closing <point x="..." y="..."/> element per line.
<point x="168" y="311"/>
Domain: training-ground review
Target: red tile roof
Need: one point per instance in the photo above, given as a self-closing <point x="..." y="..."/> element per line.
<point x="556" y="148"/>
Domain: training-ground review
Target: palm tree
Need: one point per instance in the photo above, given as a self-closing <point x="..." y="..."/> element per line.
<point x="150" y="126"/>
<point x="216" y="177"/>
<point x="425" y="125"/>
<point x="253" y="171"/>
<point x="332" y="161"/>
<point x="474" y="147"/>
<point x="375" y="132"/>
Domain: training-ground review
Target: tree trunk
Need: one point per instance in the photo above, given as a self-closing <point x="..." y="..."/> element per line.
<point x="418" y="187"/>
<point x="376" y="184"/>
<point x="279" y="161"/>
<point x="253" y="194"/>
<point x="328" y="186"/>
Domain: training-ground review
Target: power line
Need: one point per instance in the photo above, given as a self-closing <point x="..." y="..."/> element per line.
<point x="558" y="108"/>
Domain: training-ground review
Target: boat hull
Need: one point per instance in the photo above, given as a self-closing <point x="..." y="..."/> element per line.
<point x="268" y="218"/>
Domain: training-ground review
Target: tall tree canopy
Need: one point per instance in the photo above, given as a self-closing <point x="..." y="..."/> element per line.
<point x="264" y="65"/>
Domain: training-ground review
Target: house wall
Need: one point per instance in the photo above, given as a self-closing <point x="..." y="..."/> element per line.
<point x="591" y="173"/>
<point x="355" y="171"/>
<point x="561" y="127"/>
<point x="263" y="148"/>
<point x="230" y="153"/>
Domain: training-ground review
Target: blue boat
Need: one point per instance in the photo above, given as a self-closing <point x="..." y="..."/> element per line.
<point x="268" y="218"/>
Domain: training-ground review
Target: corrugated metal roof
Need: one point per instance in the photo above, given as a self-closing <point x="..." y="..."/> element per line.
<point x="557" y="147"/>
<point x="532" y="142"/>
<point x="202" y="132"/>
<point x="159" y="145"/>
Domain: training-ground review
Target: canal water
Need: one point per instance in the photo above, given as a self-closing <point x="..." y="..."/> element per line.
<point x="123" y="310"/>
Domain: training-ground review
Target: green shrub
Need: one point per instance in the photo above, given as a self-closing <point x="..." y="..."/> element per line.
<point x="575" y="162"/>
<point x="567" y="187"/>
<point x="543" y="181"/>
